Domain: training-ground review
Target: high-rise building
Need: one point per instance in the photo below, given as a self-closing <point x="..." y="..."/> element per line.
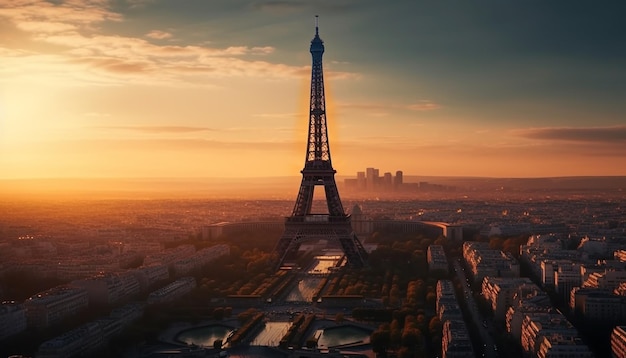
<point x="361" y="183"/>
<point x="371" y="176"/>
<point x="387" y="181"/>
<point x="398" y="180"/>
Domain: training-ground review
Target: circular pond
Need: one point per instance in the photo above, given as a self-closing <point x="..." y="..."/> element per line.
<point x="342" y="335"/>
<point x="204" y="336"/>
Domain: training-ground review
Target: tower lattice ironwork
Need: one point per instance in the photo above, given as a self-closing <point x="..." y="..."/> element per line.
<point x="304" y="225"/>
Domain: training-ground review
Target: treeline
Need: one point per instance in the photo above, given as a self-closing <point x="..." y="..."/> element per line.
<point x="297" y="331"/>
<point x="408" y="326"/>
<point x="251" y="324"/>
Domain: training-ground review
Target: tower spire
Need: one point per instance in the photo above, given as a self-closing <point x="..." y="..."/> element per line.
<point x="317" y="17"/>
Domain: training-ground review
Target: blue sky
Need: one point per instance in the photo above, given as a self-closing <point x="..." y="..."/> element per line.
<point x="153" y="88"/>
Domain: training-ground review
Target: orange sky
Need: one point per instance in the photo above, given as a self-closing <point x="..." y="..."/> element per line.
<point x="93" y="88"/>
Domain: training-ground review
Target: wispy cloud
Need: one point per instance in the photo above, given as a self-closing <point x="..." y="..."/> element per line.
<point x="289" y="6"/>
<point x="421" y="105"/>
<point x="159" y="35"/>
<point x="424" y="105"/>
<point x="610" y="134"/>
<point x="160" y="129"/>
<point x="280" y="115"/>
<point x="90" y="55"/>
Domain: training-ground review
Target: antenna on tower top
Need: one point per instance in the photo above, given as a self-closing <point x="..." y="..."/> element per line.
<point x="316" y="24"/>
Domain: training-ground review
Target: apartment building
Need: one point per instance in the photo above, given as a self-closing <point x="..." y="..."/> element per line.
<point x="618" y="342"/>
<point x="12" y="319"/>
<point x="455" y="340"/>
<point x="147" y="276"/>
<point x="87" y="338"/>
<point x="537" y="325"/>
<point x="556" y="345"/>
<point x="436" y="257"/>
<point x="483" y="261"/>
<point x="52" y="306"/>
<point x="499" y="292"/>
<point x="172" y="291"/>
<point x="110" y="288"/>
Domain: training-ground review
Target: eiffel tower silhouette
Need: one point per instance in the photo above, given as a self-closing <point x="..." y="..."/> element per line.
<point x="303" y="225"/>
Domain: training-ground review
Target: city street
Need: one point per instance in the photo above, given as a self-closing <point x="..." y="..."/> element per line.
<point x="487" y="348"/>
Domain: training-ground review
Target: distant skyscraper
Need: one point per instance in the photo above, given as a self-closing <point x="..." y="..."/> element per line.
<point x="387" y="181"/>
<point x="370" y="177"/>
<point x="398" y="179"/>
<point x="360" y="180"/>
<point x="373" y="179"/>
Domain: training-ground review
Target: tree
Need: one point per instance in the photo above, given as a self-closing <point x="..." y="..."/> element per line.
<point x="380" y="340"/>
<point x="311" y="342"/>
<point x="434" y="326"/>
<point x="411" y="338"/>
<point x="218" y="314"/>
<point x="217" y="344"/>
<point x="228" y="311"/>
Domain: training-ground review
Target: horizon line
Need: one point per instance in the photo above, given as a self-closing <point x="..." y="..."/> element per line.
<point x="299" y="176"/>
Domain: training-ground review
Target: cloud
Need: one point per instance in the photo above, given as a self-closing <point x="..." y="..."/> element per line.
<point x="611" y="134"/>
<point x="423" y="105"/>
<point x="161" y="129"/>
<point x="288" y="6"/>
<point x="43" y="16"/>
<point x="159" y="35"/>
<point x="82" y="49"/>
<point x="280" y="115"/>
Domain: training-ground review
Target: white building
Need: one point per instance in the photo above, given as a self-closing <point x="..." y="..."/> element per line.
<point x="88" y="337"/>
<point x="537" y="325"/>
<point x="618" y="342"/>
<point x="558" y="346"/>
<point x="172" y="291"/>
<point x="436" y="257"/>
<point x="445" y="288"/>
<point x="147" y="276"/>
<point x="598" y="305"/>
<point x="566" y="277"/>
<point x="79" y="341"/>
<point x="608" y="279"/>
<point x="455" y="341"/>
<point x="107" y="289"/>
<point x="500" y="292"/>
<point x="128" y="313"/>
<point x="483" y="261"/>
<point x="50" y="307"/>
<point x="515" y="316"/>
<point x="12" y="319"/>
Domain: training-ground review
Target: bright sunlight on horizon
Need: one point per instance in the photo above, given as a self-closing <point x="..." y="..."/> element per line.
<point x="149" y="89"/>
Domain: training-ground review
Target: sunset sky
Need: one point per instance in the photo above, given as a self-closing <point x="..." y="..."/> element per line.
<point x="219" y="88"/>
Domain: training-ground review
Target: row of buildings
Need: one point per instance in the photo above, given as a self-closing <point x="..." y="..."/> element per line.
<point x="52" y="306"/>
<point x="362" y="225"/>
<point x="90" y="336"/>
<point x="455" y="341"/>
<point x="594" y="290"/>
<point x="371" y="180"/>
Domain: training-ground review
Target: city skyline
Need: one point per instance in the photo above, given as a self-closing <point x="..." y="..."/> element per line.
<point x="97" y="88"/>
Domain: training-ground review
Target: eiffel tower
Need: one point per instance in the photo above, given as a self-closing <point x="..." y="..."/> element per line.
<point x="303" y="225"/>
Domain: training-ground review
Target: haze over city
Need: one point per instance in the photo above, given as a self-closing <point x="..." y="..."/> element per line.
<point x="151" y="89"/>
<point x="151" y="152"/>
